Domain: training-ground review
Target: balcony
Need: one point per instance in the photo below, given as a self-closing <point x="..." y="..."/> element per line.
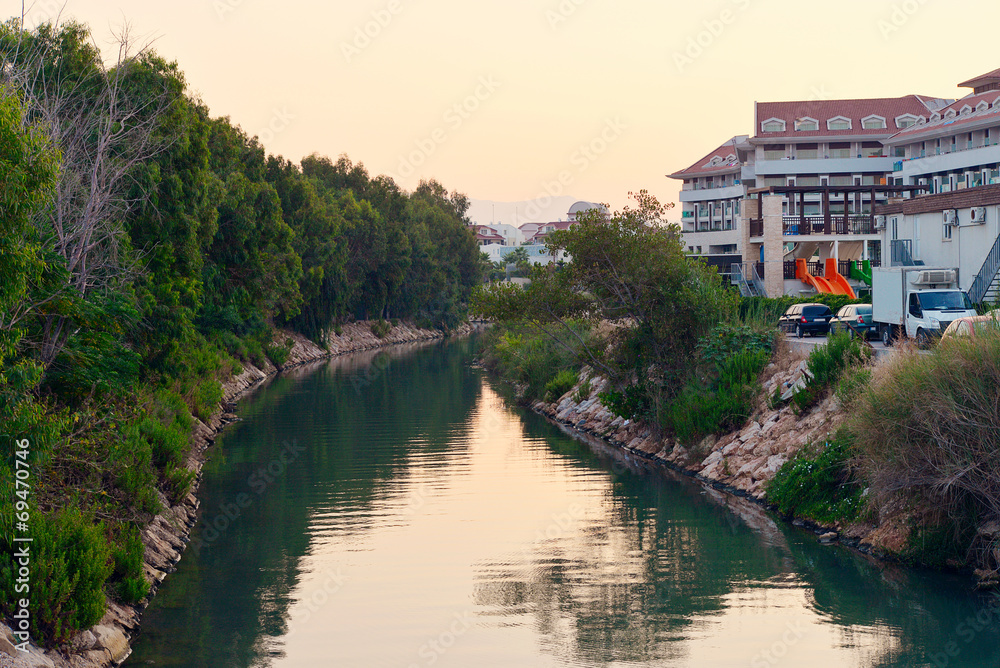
<point x="855" y="223"/>
<point x="711" y="194"/>
<point x="951" y="161"/>
<point x="825" y="166"/>
<point x="756" y="227"/>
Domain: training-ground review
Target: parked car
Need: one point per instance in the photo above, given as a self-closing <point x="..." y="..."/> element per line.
<point x="854" y="319"/>
<point x="972" y="326"/>
<point x="806" y="319"/>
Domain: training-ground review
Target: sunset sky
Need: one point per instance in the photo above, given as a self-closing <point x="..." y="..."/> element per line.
<point x="503" y="99"/>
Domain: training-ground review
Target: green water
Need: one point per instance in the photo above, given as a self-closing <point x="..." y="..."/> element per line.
<point x="391" y="509"/>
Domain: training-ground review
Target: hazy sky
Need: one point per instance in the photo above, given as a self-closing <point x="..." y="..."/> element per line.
<point x="514" y="99"/>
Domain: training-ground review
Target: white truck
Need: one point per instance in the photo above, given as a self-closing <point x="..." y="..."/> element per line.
<point x="916" y="301"/>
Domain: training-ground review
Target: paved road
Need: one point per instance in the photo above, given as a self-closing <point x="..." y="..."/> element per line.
<point x="807" y="343"/>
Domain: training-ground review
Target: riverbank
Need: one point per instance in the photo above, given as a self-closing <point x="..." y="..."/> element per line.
<point x="743" y="462"/>
<point x="109" y="642"/>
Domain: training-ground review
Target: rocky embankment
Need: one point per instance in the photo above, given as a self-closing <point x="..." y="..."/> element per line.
<point x="742" y="462"/>
<point x="166" y="536"/>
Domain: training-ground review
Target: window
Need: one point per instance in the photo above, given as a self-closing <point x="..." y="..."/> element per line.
<point x="905" y="121"/>
<point x="807" y="151"/>
<point x="947" y="232"/>
<point x="774" y="152"/>
<point x="873" y="123"/>
<point x="839" y="123"/>
<point x="840" y="150"/>
<point x="806" y="125"/>
<point x="773" y="125"/>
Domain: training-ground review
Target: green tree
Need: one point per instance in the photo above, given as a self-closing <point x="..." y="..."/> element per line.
<point x="630" y="270"/>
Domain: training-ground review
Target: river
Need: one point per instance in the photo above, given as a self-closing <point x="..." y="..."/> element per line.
<point x="392" y="509"/>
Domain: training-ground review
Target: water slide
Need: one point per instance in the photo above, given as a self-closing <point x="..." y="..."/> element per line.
<point x="862" y="272"/>
<point x="832" y="283"/>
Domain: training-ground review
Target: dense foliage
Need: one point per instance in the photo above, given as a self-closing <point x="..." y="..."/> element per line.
<point x="629" y="270"/>
<point x="147" y="250"/>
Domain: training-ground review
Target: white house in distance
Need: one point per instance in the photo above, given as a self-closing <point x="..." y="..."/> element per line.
<point x="500" y="239"/>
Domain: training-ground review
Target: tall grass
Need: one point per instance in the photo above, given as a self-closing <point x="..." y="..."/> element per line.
<point x="930" y="425"/>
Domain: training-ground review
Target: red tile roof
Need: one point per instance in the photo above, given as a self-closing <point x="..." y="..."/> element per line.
<point x="975" y="82"/>
<point x="888" y="108"/>
<point x="705" y="167"/>
<point x="931" y="128"/>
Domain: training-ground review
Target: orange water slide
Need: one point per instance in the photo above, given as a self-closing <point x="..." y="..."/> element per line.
<point x="832" y="283"/>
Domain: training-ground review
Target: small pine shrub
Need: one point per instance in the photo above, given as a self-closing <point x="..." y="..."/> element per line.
<point x="70" y="562"/>
<point x="583" y="392"/>
<point x="128" y="581"/>
<point x="560" y="385"/>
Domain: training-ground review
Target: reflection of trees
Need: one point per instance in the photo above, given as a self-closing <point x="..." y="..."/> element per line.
<point x="622" y="587"/>
<point x="361" y="419"/>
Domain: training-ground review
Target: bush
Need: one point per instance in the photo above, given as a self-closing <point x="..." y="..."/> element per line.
<point x="819" y="487"/>
<point x="560" y="385"/>
<point x="380" y="328"/>
<point x="128" y="581"/>
<point x="927" y="425"/>
<point x="583" y="392"/>
<point x="827" y="363"/>
<point x="699" y="411"/>
<point x="278" y="354"/>
<point x="70" y="562"/>
<point x="529" y="359"/>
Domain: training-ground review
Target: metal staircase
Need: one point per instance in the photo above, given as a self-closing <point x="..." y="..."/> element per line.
<point x="986" y="287"/>
<point x="752" y="287"/>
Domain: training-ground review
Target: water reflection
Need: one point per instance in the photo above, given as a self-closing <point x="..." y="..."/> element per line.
<point x="428" y="523"/>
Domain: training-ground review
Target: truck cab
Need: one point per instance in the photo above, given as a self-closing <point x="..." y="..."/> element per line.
<point x="917" y="301"/>
<point x="929" y="312"/>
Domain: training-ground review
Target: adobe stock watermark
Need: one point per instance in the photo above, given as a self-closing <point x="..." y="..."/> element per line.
<point x="454" y="118"/>
<point x="225" y="7"/>
<point x="562" y="12"/>
<point x="778" y="650"/>
<point x="966" y="631"/>
<point x="257" y="483"/>
<point x="316" y="599"/>
<point x="712" y="29"/>
<point x="380" y="364"/>
<point x="279" y="122"/>
<point x="582" y="158"/>
<point x="366" y="34"/>
<point x="432" y="650"/>
<point x="898" y="17"/>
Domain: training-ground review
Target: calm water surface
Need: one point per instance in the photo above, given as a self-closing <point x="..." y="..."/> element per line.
<point x="391" y="509"/>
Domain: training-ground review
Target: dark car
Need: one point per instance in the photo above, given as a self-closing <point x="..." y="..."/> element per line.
<point x="806" y="319"/>
<point x="855" y="319"/>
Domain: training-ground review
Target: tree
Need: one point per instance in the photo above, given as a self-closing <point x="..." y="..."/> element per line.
<point x="629" y="270"/>
<point x="103" y="120"/>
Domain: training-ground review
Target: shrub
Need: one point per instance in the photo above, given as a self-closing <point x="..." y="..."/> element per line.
<point x="560" y="385"/>
<point x="821" y="486"/>
<point x="827" y="363"/>
<point x="927" y="424"/>
<point x="70" y="562"/>
<point x="129" y="583"/>
<point x="582" y="392"/>
<point x="528" y="358"/>
<point x="380" y="328"/>
<point x="278" y="354"/>
<point x="699" y="411"/>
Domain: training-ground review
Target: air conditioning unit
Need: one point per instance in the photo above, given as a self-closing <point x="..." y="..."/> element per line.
<point x="935" y="277"/>
<point x="879" y="222"/>
<point x="950" y="216"/>
<point x="979" y="215"/>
